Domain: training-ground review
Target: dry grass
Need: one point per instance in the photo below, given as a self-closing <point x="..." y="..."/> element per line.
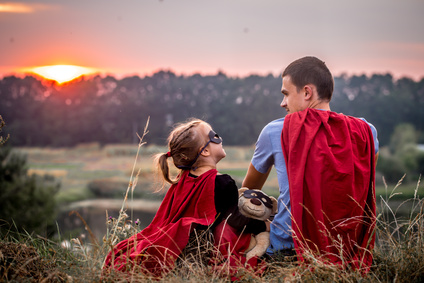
<point x="398" y="253"/>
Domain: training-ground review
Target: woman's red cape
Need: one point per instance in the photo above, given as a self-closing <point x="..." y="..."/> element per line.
<point x="155" y="249"/>
<point x="331" y="171"/>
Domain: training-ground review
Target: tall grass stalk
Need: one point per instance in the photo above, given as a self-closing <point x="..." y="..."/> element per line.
<point x="398" y="252"/>
<point x="112" y="237"/>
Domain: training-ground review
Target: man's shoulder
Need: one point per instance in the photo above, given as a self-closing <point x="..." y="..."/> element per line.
<point x="271" y="132"/>
<point x="276" y="125"/>
<point x="357" y="118"/>
<point x="364" y="120"/>
<point x="373" y="131"/>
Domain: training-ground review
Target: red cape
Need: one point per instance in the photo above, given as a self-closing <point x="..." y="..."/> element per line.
<point x="331" y="171"/>
<point x="230" y="246"/>
<point x="155" y="249"/>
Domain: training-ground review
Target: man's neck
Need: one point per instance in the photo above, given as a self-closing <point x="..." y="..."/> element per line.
<point x="319" y="104"/>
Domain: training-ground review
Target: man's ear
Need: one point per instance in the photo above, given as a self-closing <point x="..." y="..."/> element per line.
<point x="308" y="89"/>
<point x="311" y="92"/>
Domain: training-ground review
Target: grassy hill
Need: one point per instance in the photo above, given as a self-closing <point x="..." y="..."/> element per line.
<point x="90" y="171"/>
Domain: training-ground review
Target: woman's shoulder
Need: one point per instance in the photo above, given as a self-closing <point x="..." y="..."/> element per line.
<point x="224" y="180"/>
<point x="226" y="192"/>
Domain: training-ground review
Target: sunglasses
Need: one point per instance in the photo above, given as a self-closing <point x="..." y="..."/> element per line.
<point x="214" y="138"/>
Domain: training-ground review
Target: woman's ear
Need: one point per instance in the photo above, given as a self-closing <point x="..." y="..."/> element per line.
<point x="206" y="152"/>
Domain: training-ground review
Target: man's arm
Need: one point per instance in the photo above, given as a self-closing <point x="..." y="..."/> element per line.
<point x="255" y="179"/>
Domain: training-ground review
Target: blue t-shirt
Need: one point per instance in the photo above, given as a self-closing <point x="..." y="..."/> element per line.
<point x="269" y="152"/>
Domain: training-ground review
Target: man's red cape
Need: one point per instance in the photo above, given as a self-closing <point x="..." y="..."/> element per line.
<point x="155" y="249"/>
<point x="331" y="172"/>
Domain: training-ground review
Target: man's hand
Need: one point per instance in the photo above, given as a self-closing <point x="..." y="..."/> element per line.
<point x="268" y="225"/>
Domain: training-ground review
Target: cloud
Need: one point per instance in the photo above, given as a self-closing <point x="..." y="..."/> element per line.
<point x="23" y="8"/>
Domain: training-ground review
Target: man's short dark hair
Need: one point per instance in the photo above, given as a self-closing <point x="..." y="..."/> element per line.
<point x="311" y="70"/>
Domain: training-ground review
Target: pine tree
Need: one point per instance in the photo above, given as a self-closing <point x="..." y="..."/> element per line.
<point x="27" y="202"/>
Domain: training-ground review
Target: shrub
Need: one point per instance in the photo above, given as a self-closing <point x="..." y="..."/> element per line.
<point x="391" y="168"/>
<point x="27" y="203"/>
<point x="2" y="139"/>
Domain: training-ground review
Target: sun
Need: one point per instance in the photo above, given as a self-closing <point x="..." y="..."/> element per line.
<point x="62" y="73"/>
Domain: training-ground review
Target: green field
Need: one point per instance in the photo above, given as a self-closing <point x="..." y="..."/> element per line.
<point x="78" y="166"/>
<point x="94" y="173"/>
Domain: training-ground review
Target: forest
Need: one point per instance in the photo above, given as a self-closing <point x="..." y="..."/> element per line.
<point x="108" y="110"/>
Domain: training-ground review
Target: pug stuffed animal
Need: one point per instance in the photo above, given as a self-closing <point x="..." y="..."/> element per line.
<point x="257" y="205"/>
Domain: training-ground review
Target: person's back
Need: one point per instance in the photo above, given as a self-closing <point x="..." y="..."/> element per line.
<point x="307" y="84"/>
<point x="330" y="166"/>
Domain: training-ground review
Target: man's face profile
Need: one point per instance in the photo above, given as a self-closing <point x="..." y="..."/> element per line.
<point x="293" y="100"/>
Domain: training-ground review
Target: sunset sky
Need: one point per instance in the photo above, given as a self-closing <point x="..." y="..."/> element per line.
<point x="238" y="37"/>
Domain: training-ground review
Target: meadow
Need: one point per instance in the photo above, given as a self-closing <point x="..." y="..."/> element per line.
<point x="110" y="167"/>
<point x="78" y="256"/>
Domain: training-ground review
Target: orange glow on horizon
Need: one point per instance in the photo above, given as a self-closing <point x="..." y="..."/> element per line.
<point x="25" y="8"/>
<point x="15" y="8"/>
<point x="62" y="73"/>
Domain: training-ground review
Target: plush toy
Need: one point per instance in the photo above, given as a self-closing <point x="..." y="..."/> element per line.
<point x="257" y="205"/>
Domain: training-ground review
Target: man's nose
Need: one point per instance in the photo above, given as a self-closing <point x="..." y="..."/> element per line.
<point x="283" y="103"/>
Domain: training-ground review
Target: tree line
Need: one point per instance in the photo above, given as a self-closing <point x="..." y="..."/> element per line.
<point x="110" y="110"/>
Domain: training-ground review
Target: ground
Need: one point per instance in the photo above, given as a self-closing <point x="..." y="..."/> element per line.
<point x="19" y="262"/>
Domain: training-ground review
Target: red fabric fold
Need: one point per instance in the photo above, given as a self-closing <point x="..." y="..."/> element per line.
<point x="230" y="245"/>
<point x="229" y="256"/>
<point x="155" y="249"/>
<point x="331" y="171"/>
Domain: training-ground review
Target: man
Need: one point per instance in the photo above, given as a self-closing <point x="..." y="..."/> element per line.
<point x="325" y="167"/>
